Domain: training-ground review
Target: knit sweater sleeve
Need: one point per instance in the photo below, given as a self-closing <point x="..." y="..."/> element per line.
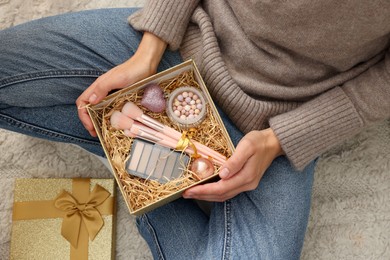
<point x="327" y="120"/>
<point x="167" y="19"/>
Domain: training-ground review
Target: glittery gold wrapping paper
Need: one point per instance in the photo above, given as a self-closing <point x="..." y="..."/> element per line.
<point x="41" y="238"/>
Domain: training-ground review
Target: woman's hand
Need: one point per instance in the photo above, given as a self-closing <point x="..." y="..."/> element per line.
<point x="142" y="64"/>
<point x="243" y="170"/>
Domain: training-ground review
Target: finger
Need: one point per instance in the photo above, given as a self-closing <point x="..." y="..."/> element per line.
<point x="237" y="161"/>
<point x="218" y="191"/>
<point x="84" y="117"/>
<point x="81" y="104"/>
<point x="116" y="78"/>
<point x="88" y="91"/>
<point x="86" y="121"/>
<point x="100" y="88"/>
<point x="198" y="192"/>
<point x="83" y="100"/>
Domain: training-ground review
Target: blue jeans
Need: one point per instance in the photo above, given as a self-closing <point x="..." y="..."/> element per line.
<point x="46" y="64"/>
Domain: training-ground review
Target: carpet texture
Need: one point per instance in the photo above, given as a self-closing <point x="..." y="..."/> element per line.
<point x="350" y="216"/>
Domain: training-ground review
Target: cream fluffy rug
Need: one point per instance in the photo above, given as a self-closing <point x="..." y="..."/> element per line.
<point x="350" y="217"/>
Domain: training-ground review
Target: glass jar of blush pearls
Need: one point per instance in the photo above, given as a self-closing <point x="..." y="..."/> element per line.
<point x="186" y="106"/>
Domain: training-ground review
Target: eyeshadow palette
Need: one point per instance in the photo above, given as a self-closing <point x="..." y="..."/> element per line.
<point x="152" y="161"/>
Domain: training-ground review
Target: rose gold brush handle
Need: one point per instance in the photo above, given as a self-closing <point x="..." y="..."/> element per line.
<point x="207" y="150"/>
<point x="172" y="144"/>
<point x="163" y="142"/>
<point x="121" y="121"/>
<point x="133" y="111"/>
<point x="157" y="137"/>
<point x="168" y="131"/>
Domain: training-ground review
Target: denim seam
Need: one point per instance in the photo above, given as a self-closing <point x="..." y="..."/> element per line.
<point x="40" y="130"/>
<point x="227" y="238"/>
<point x="154" y="235"/>
<point x="49" y="74"/>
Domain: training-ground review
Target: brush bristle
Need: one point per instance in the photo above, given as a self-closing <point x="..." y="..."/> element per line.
<point x="120" y="121"/>
<point x="132" y="110"/>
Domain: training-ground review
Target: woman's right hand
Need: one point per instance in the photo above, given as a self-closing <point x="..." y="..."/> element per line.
<point x="142" y="64"/>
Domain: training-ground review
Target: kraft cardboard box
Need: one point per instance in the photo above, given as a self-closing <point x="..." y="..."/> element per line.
<point x="143" y="191"/>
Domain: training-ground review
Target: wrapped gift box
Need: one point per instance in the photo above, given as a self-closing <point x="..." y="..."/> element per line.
<point x="63" y="219"/>
<point x="142" y="195"/>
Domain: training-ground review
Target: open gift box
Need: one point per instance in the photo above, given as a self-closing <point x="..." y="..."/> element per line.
<point x="143" y="194"/>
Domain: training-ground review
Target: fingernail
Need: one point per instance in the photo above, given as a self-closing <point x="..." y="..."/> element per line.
<point x="187" y="195"/>
<point x="92" y="98"/>
<point x="224" y="173"/>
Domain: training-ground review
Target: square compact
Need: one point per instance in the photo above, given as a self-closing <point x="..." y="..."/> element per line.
<point x="155" y="162"/>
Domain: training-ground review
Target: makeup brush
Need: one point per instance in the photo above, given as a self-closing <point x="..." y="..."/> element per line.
<point x="122" y="122"/>
<point x="137" y="133"/>
<point x="119" y="121"/>
<point x="152" y="135"/>
<point x="133" y="111"/>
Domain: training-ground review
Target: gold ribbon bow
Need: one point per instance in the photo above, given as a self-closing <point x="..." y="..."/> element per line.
<point x="81" y="207"/>
<point x="185" y="141"/>
<point x="76" y="213"/>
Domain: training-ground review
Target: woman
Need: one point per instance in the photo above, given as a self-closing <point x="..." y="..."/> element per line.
<point x="291" y="79"/>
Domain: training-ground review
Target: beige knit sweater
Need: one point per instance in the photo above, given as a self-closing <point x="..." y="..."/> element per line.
<point x="315" y="71"/>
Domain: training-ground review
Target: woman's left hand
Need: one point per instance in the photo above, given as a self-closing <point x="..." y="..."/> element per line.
<point x="243" y="170"/>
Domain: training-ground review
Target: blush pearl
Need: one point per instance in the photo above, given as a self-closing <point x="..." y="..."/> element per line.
<point x="202" y="167"/>
<point x="184" y="102"/>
